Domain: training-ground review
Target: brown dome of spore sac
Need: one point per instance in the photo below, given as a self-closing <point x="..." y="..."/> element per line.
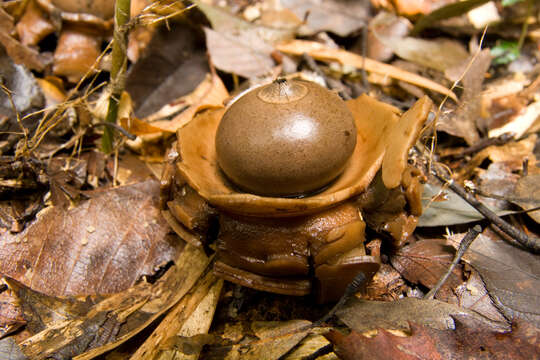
<point x="285" y="139"/>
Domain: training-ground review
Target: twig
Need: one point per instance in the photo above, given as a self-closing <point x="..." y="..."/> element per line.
<point x="118" y="69"/>
<point x="463" y="247"/>
<point x="116" y="127"/>
<point x="526" y="241"/>
<point x="484" y="143"/>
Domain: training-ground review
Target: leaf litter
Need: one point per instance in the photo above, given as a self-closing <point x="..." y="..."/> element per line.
<point x="88" y="270"/>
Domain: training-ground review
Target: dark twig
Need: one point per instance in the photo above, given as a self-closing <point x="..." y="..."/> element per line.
<point x="526" y="241"/>
<point x="482" y="144"/>
<point x="118" y="128"/>
<point x="463" y="246"/>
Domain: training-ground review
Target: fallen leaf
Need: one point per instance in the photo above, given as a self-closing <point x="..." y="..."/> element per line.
<point x="59" y="255"/>
<point x="439" y="54"/>
<point x="11" y="314"/>
<point x="173" y="64"/>
<point x="118" y="317"/>
<point x="520" y="123"/>
<point x="324" y="53"/>
<point x="387" y="25"/>
<point x="510" y="275"/>
<point x="238" y="46"/>
<point x="512" y="154"/>
<point x="275" y="339"/>
<point x="425" y="262"/>
<point x="467" y="341"/>
<point x="442" y="206"/>
<point x="25" y="92"/>
<point x="528" y="187"/>
<point x="438" y="12"/>
<point x="474" y="295"/>
<point x="41" y="311"/>
<point x="209" y="93"/>
<point x="385" y="345"/>
<point x="226" y="23"/>
<point x="337" y="16"/>
<point x="18" y="52"/>
<point x="363" y="315"/>
<point x="463" y="122"/>
<point x="243" y="54"/>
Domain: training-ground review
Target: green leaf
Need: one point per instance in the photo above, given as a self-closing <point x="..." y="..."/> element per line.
<point x="505" y="52"/>
<point x="510" y="2"/>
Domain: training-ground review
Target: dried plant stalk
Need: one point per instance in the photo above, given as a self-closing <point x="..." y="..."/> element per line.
<point x="118" y="69"/>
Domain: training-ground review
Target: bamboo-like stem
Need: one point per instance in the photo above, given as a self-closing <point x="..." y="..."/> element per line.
<point x="118" y="69"/>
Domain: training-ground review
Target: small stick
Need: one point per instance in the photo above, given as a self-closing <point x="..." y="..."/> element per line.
<point x="482" y="144"/>
<point x="464" y="245"/>
<point x="118" y="128"/>
<point x="526" y="241"/>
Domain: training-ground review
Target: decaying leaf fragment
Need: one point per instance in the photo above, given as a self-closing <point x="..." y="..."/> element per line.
<point x="18" y="52"/>
<point x="510" y="275"/>
<point x="103" y="245"/>
<point x="11" y="315"/>
<point x="274" y="339"/>
<point x="528" y="187"/>
<point x="119" y="317"/>
<point x="467" y="341"/>
<point x="209" y="93"/>
<point x="362" y="315"/>
<point x="424" y="262"/>
<point x="238" y="46"/>
<point x="339" y="17"/>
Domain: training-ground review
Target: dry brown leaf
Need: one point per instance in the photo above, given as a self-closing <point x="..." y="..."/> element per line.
<point x="104" y="245"/>
<point x="18" y="52"/>
<point x="172" y="65"/>
<point x="425" y="262"/>
<point x="520" y="123"/>
<point x="510" y="275"/>
<point x="363" y="315"/>
<point x="11" y="314"/>
<point x="528" y="187"/>
<point x="467" y="341"/>
<point x="125" y="314"/>
<point x="439" y="54"/>
<point x="513" y="154"/>
<point x="387" y="25"/>
<point x="463" y="122"/>
<point x="474" y="295"/>
<point x="324" y="53"/>
<point x="244" y="54"/>
<point x="209" y="93"/>
<point x="275" y="340"/>
<point x="224" y="22"/>
<point x="339" y="17"/>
